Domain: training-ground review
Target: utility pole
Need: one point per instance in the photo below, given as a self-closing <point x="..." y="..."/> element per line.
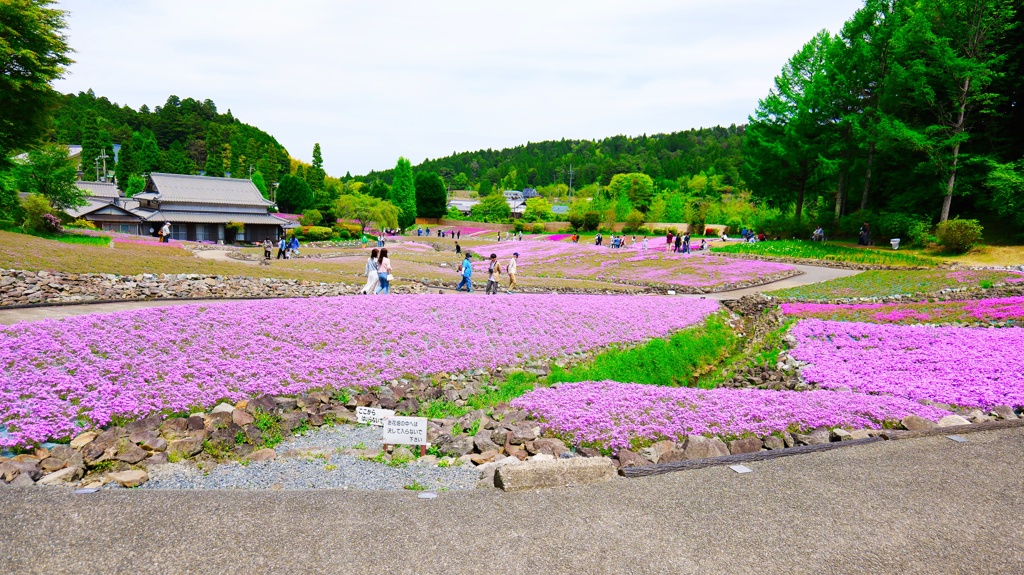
<point x="103" y="156"/>
<point x="572" y="173"/>
<point x="250" y="171"/>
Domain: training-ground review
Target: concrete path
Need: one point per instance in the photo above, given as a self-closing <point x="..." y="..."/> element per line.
<point x="221" y="256"/>
<point x="915" y="506"/>
<point x="811" y="275"/>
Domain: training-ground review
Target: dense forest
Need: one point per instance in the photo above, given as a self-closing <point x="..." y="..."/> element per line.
<point x="915" y="108"/>
<point x="183" y="136"/>
<point x="664" y="157"/>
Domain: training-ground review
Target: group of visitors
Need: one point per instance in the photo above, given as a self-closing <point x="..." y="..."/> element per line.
<point x="378" y="273"/>
<point x="286" y="248"/>
<point x="681" y="245"/>
<point x="454" y="234"/>
<point x="493" y="274"/>
<point x="510" y="236"/>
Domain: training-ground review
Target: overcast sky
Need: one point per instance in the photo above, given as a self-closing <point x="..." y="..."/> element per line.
<point x="372" y="81"/>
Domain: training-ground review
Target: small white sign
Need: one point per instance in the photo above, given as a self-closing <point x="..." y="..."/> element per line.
<point x="740" y="468"/>
<point x="957" y="438"/>
<point x="373" y="416"/>
<point x="405" y="431"/>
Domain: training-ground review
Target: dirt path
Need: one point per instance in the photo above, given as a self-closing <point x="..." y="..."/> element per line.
<point x="812" y="274"/>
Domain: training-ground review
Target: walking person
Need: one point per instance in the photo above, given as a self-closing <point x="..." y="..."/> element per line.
<point x="467" y="275"/>
<point x="165" y="231"/>
<point x="678" y="246"/>
<point x="371" y="274"/>
<point x="383" y="272"/>
<point x="268" y="246"/>
<point x="643" y="245"/>
<point x="458" y="248"/>
<point x="458" y="236"/>
<point x="511" y="269"/>
<point x="686" y="243"/>
<point x="282" y="247"/>
<point x="493" y="273"/>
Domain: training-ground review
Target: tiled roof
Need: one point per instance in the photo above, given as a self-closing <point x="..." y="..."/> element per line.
<point x="99" y="189"/>
<point x="208" y="218"/>
<point x="206" y="190"/>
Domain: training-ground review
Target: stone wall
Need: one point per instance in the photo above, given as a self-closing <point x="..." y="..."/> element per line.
<point x="21" y="288"/>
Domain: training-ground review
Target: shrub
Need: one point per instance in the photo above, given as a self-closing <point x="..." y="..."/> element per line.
<point x="80" y="223"/>
<point x="658" y="231"/>
<point x="52" y="224"/>
<point x="604" y="230"/>
<point x="518" y="226"/>
<point x="634" y="221"/>
<point x="538" y="228"/>
<point x="343" y="234"/>
<point x="353" y="230"/>
<point x="576" y="222"/>
<point x="591" y="220"/>
<point x="35" y="206"/>
<point x="959" y="236"/>
<point x="311" y="218"/>
<point x="314" y="233"/>
<point x="898" y="225"/>
<point x="697" y="228"/>
<point x="734" y="225"/>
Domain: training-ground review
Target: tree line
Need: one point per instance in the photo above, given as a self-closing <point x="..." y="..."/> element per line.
<point x="913" y="111"/>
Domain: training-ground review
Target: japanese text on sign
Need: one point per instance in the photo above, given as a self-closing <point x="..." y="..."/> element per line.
<point x="373" y="416"/>
<point x="405" y="431"/>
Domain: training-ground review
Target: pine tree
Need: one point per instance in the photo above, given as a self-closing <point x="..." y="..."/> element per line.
<point x="91" y="146"/>
<point x="260" y="183"/>
<point x="214" y="159"/>
<point x="431" y="195"/>
<point x="126" y="165"/>
<point x="403" y="193"/>
<point x="315" y="174"/>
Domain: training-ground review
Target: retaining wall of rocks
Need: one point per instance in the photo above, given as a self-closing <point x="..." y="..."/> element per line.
<point x="23" y="288"/>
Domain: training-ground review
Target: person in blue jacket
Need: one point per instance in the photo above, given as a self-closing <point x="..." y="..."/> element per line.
<point x="467" y="274"/>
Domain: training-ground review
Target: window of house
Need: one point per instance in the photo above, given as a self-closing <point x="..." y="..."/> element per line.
<point x="127" y="229"/>
<point x="179" y="232"/>
<point x="202" y="233"/>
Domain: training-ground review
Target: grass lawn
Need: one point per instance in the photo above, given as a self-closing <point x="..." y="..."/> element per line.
<point x="883" y="283"/>
<point x="828" y="251"/>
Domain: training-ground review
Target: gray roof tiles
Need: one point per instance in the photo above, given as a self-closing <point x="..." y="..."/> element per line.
<point x="206" y="190"/>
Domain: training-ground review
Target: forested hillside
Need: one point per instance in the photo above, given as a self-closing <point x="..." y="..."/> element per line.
<point x="663" y="157"/>
<point x="183" y="136"/>
<point x="915" y="108"/>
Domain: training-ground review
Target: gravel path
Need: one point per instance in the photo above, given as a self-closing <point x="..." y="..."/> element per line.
<point x="312" y="462"/>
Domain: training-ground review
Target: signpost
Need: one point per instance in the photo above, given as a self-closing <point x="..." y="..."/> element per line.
<point x="373" y="416"/>
<point x="406" y="431"/>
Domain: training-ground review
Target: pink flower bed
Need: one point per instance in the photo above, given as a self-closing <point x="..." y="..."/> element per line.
<point x="968" y="367"/>
<point x="992" y="309"/>
<point x="622" y="415"/>
<point x="88" y="369"/>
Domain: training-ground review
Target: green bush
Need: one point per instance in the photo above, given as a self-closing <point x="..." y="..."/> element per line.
<point x="899" y="225"/>
<point x="959" y="236"/>
<point x="634" y="221"/>
<point x="734" y="225"/>
<point x="591" y="220"/>
<point x="314" y="233"/>
<point x="603" y="230"/>
<point x="311" y="218"/>
<point x="35" y="206"/>
<point x="85" y="224"/>
<point x="343" y="234"/>
<point x="576" y="222"/>
<point x="519" y="226"/>
<point x="538" y="228"/>
<point x="658" y="232"/>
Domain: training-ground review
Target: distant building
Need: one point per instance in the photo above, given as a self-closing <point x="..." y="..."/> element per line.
<point x="198" y="208"/>
<point x="465" y="207"/>
<point x="516" y="202"/>
<point x="560" y="210"/>
<point x="530" y="193"/>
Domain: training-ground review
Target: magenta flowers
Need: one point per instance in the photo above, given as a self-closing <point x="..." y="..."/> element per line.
<point x="968" y="367"/>
<point x="992" y="309"/>
<point x="89" y="369"/>
<point x="616" y="415"/>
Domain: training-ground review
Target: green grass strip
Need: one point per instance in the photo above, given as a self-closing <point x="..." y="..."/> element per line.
<point x="826" y="251"/>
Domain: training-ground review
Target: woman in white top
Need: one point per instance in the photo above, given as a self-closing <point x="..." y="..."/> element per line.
<point x="383" y="272"/>
<point x="371" y="273"/>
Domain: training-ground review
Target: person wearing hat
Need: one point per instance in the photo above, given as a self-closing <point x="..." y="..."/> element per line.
<point x="493" y="273"/>
<point x="510" y="269"/>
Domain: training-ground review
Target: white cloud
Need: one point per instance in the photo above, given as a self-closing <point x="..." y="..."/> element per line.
<point x="372" y="81"/>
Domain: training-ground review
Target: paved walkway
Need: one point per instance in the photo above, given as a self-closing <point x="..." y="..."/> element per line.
<point x="915" y="506"/>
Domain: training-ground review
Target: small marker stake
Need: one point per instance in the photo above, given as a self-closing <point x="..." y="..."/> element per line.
<point x="740" y="468"/>
<point x="427" y="495"/>
<point x="85" y="491"/>
<point x="957" y="438"/>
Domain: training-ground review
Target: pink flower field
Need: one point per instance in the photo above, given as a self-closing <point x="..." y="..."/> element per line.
<point x="993" y="309"/>
<point x="967" y="367"/>
<point x="58" y="375"/>
<point x="615" y="415"/>
<point x="541" y="258"/>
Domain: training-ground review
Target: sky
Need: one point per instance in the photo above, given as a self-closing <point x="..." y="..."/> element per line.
<point x="372" y="81"/>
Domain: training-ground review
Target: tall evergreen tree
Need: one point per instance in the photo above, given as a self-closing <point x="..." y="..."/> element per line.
<point x="315" y="174"/>
<point x="91" y="146"/>
<point x="403" y="193"/>
<point x="431" y="195"/>
<point x="214" y="165"/>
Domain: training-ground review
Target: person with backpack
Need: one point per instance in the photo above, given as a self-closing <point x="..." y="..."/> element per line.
<point x="493" y="273"/>
<point x="467" y="275"/>
<point x="511" y="269"/>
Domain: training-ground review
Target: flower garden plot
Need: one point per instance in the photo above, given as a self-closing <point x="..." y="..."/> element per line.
<point x="613" y="415"/>
<point x="630" y="265"/>
<point x="1009" y="309"/>
<point x="886" y="283"/>
<point x="129" y="364"/>
<point x="827" y="251"/>
<point x="967" y="367"/>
